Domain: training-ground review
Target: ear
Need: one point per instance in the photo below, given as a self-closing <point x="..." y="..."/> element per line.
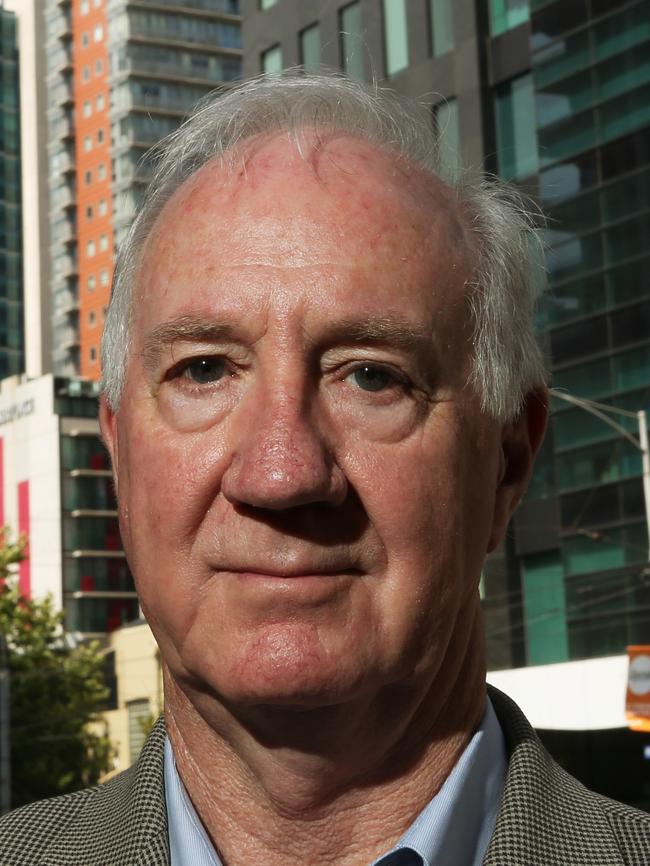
<point x="108" y="427"/>
<point x="520" y="443"/>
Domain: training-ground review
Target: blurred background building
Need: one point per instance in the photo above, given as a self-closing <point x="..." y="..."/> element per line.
<point x="11" y="259"/>
<point x="120" y="76"/>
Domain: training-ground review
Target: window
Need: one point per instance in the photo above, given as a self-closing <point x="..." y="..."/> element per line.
<point x="103" y="242"/>
<point x="85" y="40"/>
<point x="90" y="283"/>
<point x="90" y="252"/>
<point x="98" y="33"/>
<point x="89" y="212"/>
<point x="100" y="136"/>
<point x="102" y="208"/>
<point x="103" y="277"/>
<point x="88" y="109"/>
<point x="271" y="60"/>
<point x="85" y="73"/>
<point x="85" y="7"/>
<point x="310" y="47"/>
<point x="446" y="119"/>
<point x="352" y="45"/>
<point x="516" y="132"/>
<point x="101" y="171"/>
<point x="139" y="714"/>
<point x="564" y="98"/>
<point x="88" y="143"/>
<point x="266" y="4"/>
<point x="506" y="14"/>
<point x="99" y="67"/>
<point x="93" y="354"/>
<point x="545" y="608"/>
<point x="99" y="102"/>
<point x="91" y="318"/>
<point x="442" y="26"/>
<point x="88" y="177"/>
<point x="395" y="36"/>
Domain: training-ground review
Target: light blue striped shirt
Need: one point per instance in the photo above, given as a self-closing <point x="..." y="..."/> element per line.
<point x="453" y="830"/>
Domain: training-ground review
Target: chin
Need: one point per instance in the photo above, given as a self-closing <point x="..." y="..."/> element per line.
<point x="284" y="667"/>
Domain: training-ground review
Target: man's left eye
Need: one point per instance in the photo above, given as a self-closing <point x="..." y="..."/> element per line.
<point x="372" y="378"/>
<point x="205" y="370"/>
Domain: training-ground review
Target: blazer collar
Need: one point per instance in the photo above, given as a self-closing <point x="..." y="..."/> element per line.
<point x="547" y="818"/>
<point x="124" y="821"/>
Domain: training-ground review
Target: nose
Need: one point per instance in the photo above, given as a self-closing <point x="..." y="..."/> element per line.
<point x="281" y="458"/>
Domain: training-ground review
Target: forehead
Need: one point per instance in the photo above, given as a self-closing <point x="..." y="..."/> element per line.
<point x="290" y="204"/>
<point x="328" y="182"/>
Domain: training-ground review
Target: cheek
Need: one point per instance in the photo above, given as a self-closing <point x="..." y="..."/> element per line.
<point x="167" y="484"/>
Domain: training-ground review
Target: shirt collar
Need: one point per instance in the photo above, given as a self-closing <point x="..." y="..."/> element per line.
<point x="454" y="829"/>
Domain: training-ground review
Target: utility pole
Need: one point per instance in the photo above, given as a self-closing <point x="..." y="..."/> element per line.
<point x="5" y="731"/>
<point x="603" y="411"/>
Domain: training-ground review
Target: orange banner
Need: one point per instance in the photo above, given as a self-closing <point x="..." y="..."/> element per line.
<point x="637" y="701"/>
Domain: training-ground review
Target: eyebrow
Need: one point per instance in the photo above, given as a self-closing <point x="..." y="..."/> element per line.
<point x="189" y="329"/>
<point x="391" y="330"/>
<point x="395" y="332"/>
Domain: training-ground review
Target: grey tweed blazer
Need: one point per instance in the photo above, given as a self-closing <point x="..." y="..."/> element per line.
<point x="547" y="818"/>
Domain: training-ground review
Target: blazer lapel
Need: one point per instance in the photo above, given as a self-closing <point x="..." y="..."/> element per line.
<point x="125" y="822"/>
<point x="547" y="818"/>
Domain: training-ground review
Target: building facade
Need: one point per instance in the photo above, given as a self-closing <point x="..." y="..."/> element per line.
<point x="121" y="74"/>
<point x="12" y="356"/>
<point x="56" y="487"/>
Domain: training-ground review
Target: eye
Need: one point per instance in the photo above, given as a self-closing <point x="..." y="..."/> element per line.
<point x="373" y="378"/>
<point x="205" y="370"/>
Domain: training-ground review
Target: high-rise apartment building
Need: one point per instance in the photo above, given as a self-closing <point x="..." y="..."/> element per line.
<point x="11" y="297"/>
<point x="56" y="487"/>
<point x="554" y="96"/>
<point x="121" y="74"/>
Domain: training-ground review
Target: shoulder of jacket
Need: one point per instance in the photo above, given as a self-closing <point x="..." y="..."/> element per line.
<point x="631" y="828"/>
<point x="27" y="832"/>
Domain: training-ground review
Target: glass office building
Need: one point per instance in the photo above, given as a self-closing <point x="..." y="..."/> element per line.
<point x="11" y="296"/>
<point x="575" y="129"/>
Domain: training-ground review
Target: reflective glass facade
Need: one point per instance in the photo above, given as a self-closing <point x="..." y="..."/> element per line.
<point x="577" y="129"/>
<point x="11" y="302"/>
<point x="352" y="43"/>
<point x="506" y="14"/>
<point x="395" y="35"/>
<point x="442" y="26"/>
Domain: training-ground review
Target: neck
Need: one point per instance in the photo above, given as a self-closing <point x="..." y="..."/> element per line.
<point x="339" y="782"/>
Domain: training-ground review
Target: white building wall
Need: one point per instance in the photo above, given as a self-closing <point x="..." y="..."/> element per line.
<point x="29" y="432"/>
<point x="584" y="695"/>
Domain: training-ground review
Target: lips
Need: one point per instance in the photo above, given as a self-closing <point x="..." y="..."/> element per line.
<point x="292" y="572"/>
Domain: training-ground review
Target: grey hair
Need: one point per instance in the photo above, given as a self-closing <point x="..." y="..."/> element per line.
<point x="507" y="362"/>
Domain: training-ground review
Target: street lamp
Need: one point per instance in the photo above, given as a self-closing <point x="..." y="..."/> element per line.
<point x="603" y="411"/>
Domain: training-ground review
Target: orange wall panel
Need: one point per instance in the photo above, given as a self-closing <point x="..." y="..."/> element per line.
<point x="93" y="175"/>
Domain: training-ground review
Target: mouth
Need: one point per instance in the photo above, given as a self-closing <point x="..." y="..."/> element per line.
<point x="294" y="573"/>
<point x="304" y="584"/>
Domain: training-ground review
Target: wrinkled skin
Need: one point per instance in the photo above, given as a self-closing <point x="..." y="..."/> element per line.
<point x="307" y="485"/>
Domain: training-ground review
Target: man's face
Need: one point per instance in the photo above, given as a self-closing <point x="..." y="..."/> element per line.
<point x="307" y="487"/>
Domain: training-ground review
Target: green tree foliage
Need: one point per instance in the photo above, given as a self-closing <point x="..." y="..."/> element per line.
<point x="57" y="691"/>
